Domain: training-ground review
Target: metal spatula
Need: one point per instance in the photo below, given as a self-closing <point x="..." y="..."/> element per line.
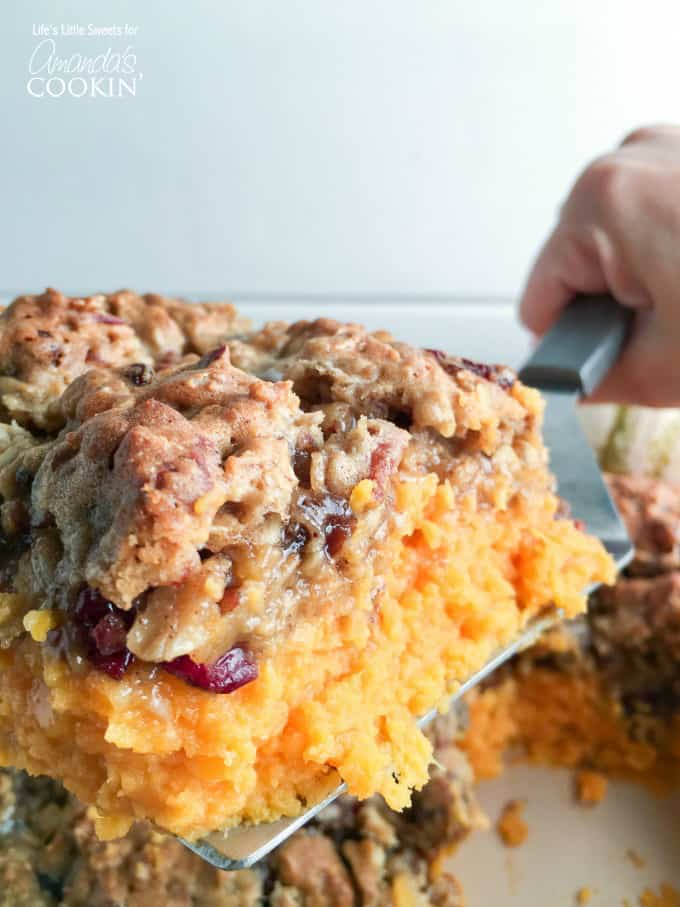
<point x="569" y="362"/>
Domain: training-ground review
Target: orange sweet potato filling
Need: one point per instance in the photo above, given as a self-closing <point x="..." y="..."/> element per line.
<point x="336" y="699"/>
<point x="569" y="720"/>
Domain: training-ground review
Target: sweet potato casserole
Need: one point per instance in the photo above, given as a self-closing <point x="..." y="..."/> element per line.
<point x="237" y="563"/>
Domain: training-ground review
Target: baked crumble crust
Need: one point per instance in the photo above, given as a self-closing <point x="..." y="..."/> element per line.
<point x="48" y="340"/>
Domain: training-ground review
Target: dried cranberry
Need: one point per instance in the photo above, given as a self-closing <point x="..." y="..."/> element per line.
<point x="499" y="374"/>
<point x="211" y="357"/>
<point x="102" y="628"/>
<point x="302" y="462"/>
<point x="327" y="516"/>
<point x="139" y="374"/>
<point x="109" y="634"/>
<point x="115" y="664"/>
<point x="234" y="669"/>
<point x="480" y="368"/>
<point x="91" y="607"/>
<point x="107" y="319"/>
<point x="338" y="530"/>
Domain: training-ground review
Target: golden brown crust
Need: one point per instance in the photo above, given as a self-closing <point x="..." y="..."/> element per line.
<point x="133" y="489"/>
<point x="374" y="375"/>
<point x="48" y="340"/>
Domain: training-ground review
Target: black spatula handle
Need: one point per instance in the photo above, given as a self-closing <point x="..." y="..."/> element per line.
<point x="581" y="347"/>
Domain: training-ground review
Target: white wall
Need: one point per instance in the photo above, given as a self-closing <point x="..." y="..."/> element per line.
<point x="372" y="146"/>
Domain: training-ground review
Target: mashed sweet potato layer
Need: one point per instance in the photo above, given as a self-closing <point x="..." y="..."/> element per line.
<point x="336" y="699"/>
<point x="570" y="720"/>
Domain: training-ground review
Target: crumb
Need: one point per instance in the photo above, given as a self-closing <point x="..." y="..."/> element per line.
<point x="635" y="858"/>
<point x="584" y="896"/>
<point x="667" y="896"/>
<point x="591" y="787"/>
<point x="511" y="827"/>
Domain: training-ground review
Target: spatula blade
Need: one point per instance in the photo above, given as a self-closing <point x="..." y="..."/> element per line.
<point x="579" y="479"/>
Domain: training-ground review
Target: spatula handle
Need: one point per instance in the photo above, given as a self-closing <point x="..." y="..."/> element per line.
<point x="581" y="347"/>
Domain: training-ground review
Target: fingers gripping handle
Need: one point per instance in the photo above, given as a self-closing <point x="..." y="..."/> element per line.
<point x="581" y="347"/>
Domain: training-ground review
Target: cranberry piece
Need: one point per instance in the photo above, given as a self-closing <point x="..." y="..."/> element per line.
<point x="102" y="628"/>
<point x="479" y="368"/>
<point x="107" y="319"/>
<point x="499" y="374"/>
<point x="211" y="357"/>
<point x="439" y="355"/>
<point x="327" y="516"/>
<point x="91" y="607"/>
<point x="338" y="530"/>
<point x="109" y="634"/>
<point x="234" y="669"/>
<point x="302" y="462"/>
<point x="115" y="664"/>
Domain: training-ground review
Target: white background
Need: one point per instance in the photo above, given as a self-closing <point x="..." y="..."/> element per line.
<point x="310" y="146"/>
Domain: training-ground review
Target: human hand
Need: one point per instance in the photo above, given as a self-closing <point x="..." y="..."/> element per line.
<point x="619" y="232"/>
